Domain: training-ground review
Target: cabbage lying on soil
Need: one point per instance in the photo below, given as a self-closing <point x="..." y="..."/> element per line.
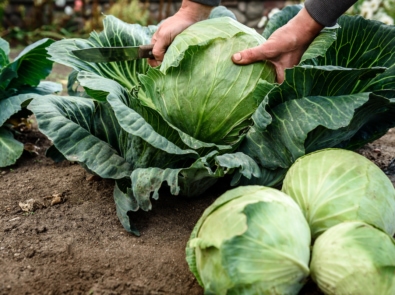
<point x="251" y="240"/>
<point x="335" y="185"/>
<point x="354" y="258"/>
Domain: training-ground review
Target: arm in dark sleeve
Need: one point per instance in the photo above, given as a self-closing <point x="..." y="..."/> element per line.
<point x="326" y="12"/>
<point x="208" y="2"/>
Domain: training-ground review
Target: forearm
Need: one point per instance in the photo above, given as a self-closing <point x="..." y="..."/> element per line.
<point x="196" y="10"/>
<point x="208" y="2"/>
<point x="326" y="12"/>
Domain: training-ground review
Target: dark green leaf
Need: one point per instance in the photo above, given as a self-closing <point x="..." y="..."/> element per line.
<point x="280" y="19"/>
<point x="67" y="121"/>
<point x="129" y="119"/>
<point x="12" y="105"/>
<point x="125" y="203"/>
<point x="364" y="43"/>
<point x="115" y="33"/>
<point x="31" y="65"/>
<point x="221" y="11"/>
<point x="10" y="148"/>
<point x="4" y="52"/>
<point x="53" y="153"/>
<point x="44" y="88"/>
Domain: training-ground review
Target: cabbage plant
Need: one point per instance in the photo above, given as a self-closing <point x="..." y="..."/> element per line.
<point x="18" y="79"/>
<point x="199" y="117"/>
<point x="354" y="258"/>
<point x="251" y="240"/>
<point x="144" y="127"/>
<point x="335" y="185"/>
<point x="340" y="95"/>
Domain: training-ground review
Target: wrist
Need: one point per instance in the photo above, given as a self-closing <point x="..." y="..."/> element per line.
<point x="306" y="25"/>
<point x="194" y="10"/>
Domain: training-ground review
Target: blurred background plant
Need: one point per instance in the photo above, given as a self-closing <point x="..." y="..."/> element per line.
<point x="130" y="11"/>
<point x="381" y="10"/>
<point x="23" y="22"/>
<point x="26" y="21"/>
<point x="3" y="5"/>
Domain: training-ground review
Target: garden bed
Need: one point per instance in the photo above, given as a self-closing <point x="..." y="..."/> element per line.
<point x="78" y="246"/>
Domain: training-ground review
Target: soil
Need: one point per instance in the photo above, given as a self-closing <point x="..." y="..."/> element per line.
<point x="76" y="245"/>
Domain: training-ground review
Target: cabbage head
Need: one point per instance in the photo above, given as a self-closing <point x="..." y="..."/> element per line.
<point x="354" y="258"/>
<point x="251" y="240"/>
<point x="335" y="185"/>
<point x="199" y="90"/>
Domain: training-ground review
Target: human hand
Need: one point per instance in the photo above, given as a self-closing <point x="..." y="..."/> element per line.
<point x="189" y="13"/>
<point x="285" y="47"/>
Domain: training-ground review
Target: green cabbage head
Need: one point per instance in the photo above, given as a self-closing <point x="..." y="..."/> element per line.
<point x="335" y="185"/>
<point x="354" y="258"/>
<point x="251" y="240"/>
<point x="199" y="90"/>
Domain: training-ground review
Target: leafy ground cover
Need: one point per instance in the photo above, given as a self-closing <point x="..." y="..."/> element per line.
<point x="78" y="246"/>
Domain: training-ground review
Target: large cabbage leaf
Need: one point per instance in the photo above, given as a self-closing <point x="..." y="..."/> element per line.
<point x="342" y="98"/>
<point x="18" y="79"/>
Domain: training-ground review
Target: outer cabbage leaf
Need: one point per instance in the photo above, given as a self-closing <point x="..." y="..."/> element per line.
<point x="130" y="120"/>
<point x="115" y="33"/>
<point x="327" y="101"/>
<point x="4" y="52"/>
<point x="125" y="203"/>
<point x="30" y="66"/>
<point x="364" y="43"/>
<point x="190" y="181"/>
<point x="67" y="122"/>
<point x="296" y="111"/>
<point x="10" y="148"/>
<point x="20" y="79"/>
<point x="12" y="105"/>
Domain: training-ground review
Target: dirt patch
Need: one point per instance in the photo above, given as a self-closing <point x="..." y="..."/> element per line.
<point x="78" y="246"/>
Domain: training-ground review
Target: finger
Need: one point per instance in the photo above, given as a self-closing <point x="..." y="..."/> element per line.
<point x="158" y="51"/>
<point x="280" y="74"/>
<point x="153" y="62"/>
<point x="249" y="56"/>
<point x="161" y="43"/>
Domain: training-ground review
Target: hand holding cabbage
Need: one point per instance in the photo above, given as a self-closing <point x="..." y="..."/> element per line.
<point x="284" y="48"/>
<point x="189" y="13"/>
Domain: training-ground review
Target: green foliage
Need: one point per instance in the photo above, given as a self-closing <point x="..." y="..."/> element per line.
<point x="3" y="5"/>
<point x="19" y="80"/>
<point x="139" y="146"/>
<point x="341" y="97"/>
<point x="129" y="11"/>
<point x="199" y="117"/>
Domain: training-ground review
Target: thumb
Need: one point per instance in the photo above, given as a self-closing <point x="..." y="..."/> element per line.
<point x="249" y="56"/>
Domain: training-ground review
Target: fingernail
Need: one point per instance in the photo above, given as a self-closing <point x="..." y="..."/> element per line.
<point x="237" y="57"/>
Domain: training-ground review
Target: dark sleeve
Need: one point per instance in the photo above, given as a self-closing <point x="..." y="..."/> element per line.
<point x="208" y="2"/>
<point x="326" y="12"/>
